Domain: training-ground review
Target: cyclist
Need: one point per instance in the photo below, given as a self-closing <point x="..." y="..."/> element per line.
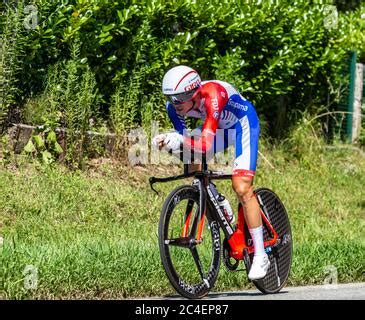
<point x="220" y="106"/>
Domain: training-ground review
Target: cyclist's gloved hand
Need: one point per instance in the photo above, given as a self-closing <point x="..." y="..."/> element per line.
<point x="158" y="140"/>
<point x="173" y="141"/>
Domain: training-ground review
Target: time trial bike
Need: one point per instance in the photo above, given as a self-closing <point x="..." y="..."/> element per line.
<point x="190" y="243"/>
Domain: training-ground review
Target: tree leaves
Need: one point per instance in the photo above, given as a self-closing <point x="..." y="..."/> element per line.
<point x="267" y="50"/>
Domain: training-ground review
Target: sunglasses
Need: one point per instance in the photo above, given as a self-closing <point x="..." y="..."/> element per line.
<point x="181" y="98"/>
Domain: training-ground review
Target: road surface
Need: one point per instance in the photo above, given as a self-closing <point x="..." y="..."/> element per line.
<point x="351" y="291"/>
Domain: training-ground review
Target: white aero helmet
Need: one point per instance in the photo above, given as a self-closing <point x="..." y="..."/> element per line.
<point x="180" y="83"/>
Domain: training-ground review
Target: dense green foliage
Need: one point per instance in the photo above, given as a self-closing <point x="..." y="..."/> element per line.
<point x="286" y="56"/>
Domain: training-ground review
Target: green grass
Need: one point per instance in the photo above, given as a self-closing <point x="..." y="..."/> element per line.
<point x="93" y="234"/>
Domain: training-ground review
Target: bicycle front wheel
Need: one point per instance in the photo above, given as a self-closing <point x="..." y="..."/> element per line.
<point x="191" y="262"/>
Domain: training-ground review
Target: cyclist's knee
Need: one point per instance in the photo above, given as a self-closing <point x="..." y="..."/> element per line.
<point x="242" y="186"/>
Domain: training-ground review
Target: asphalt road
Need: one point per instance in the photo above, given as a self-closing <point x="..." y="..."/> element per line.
<point x="351" y="291"/>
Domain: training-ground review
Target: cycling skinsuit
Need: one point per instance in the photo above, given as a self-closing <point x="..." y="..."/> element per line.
<point x="228" y="119"/>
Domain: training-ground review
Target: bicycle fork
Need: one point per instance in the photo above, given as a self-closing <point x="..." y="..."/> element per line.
<point x="205" y="193"/>
<point x="196" y="226"/>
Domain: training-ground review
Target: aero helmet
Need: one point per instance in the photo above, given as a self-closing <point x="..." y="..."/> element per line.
<point x="180" y="83"/>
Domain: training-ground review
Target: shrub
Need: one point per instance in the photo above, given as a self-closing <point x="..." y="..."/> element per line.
<point x="284" y="56"/>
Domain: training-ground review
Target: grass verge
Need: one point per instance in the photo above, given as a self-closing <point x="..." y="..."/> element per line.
<point x="93" y="234"/>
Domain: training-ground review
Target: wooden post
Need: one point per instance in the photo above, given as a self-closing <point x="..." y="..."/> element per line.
<point x="24" y="133"/>
<point x="61" y="139"/>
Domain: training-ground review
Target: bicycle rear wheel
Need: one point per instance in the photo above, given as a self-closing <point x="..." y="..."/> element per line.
<point x="192" y="268"/>
<point x="281" y="255"/>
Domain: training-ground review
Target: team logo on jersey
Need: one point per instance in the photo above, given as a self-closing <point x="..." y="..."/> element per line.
<point x="215" y="114"/>
<point x="237" y="105"/>
<point x="215" y="103"/>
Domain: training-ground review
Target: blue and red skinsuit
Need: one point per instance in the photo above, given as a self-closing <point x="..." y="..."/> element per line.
<point x="223" y="108"/>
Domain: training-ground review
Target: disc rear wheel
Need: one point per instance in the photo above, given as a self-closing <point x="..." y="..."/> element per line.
<point x="281" y="254"/>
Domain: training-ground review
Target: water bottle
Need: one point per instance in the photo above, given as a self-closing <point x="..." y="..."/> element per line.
<point x="223" y="203"/>
<point x="226" y="207"/>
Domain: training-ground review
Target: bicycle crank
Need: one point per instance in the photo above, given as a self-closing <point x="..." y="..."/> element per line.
<point x="227" y="259"/>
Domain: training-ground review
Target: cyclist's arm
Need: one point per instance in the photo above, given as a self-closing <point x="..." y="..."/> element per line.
<point x="177" y="120"/>
<point x="216" y="98"/>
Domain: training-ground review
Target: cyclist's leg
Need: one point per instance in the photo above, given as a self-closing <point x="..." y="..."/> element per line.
<point x="244" y="168"/>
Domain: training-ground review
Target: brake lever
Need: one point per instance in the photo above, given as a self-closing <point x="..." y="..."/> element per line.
<point x="152" y="180"/>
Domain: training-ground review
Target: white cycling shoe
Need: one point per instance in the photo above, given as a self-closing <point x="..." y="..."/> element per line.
<point x="259" y="267"/>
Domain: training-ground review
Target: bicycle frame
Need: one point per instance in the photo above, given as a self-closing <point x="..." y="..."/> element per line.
<point x="236" y="238"/>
